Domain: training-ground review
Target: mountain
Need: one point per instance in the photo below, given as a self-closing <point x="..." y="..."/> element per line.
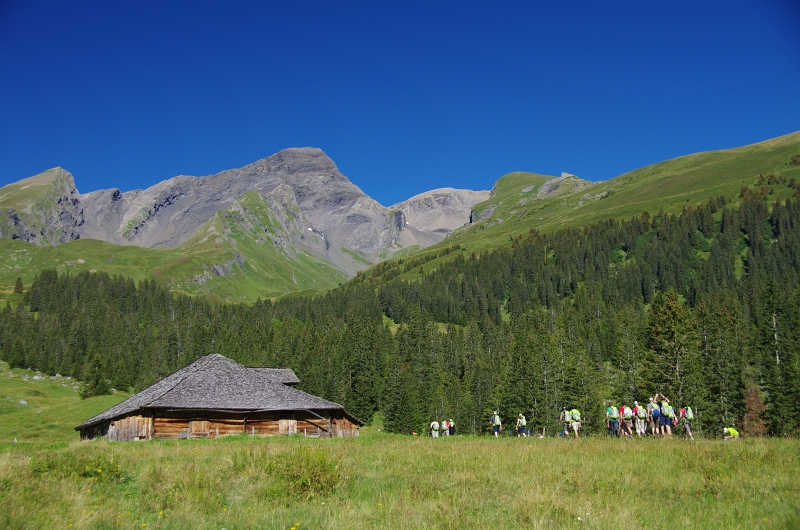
<point x="520" y="201"/>
<point x="431" y="216"/>
<point x="43" y="209"/>
<point x="286" y="223"/>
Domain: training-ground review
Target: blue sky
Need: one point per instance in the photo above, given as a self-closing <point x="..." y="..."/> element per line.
<point x="405" y="97"/>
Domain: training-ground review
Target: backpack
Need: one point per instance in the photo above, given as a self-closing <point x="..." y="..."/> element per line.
<point x="689" y="413"/>
<point x="656" y="413"/>
<point x="576" y="416"/>
<point x="641" y="413"/>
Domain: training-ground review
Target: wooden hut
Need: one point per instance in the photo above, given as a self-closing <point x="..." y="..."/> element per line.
<point x="214" y="397"/>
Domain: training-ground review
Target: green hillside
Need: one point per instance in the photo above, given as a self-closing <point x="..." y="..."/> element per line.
<point x="668" y="185"/>
<point x="231" y="259"/>
<point x="30" y="192"/>
<point x="38" y="408"/>
<point x="516" y="208"/>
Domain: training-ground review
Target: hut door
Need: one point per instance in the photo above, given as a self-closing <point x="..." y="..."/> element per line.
<point x="287" y="424"/>
<point x="198" y="429"/>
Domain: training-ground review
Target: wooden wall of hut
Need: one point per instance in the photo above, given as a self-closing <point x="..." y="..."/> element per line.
<point x="343" y="428"/>
<point x="130" y="429"/>
<point x="207" y="424"/>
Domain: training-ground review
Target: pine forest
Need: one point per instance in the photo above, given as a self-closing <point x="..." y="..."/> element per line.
<point x="703" y="306"/>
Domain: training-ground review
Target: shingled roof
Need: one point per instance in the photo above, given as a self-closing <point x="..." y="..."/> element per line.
<point x="214" y="382"/>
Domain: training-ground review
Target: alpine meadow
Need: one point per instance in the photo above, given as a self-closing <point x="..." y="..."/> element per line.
<point x="680" y="279"/>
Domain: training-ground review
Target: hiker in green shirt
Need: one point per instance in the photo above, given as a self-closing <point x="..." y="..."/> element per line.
<point x="565" y="419"/>
<point x="576" y="420"/>
<point x="497" y="425"/>
<point x="730" y="433"/>
<point x="612" y="420"/>
<point x="521" y="429"/>
<point x="665" y="420"/>
<point x="687" y="414"/>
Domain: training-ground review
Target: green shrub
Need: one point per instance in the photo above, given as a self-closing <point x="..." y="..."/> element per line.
<point x="311" y="472"/>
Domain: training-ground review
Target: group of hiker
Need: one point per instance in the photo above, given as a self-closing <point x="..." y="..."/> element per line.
<point x="446" y="428"/>
<point x="659" y="415"/>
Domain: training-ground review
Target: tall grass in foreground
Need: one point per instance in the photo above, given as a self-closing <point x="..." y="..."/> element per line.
<point x="388" y="481"/>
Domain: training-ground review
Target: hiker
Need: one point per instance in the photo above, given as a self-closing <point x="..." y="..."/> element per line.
<point x="729" y="433"/>
<point x="497" y="425"/>
<point x="654" y="413"/>
<point x="627" y="419"/>
<point x="435" y="429"/>
<point x="451" y="428"/>
<point x="444" y="428"/>
<point x="576" y="420"/>
<point x="665" y="420"/>
<point x="566" y="420"/>
<point x="687" y="414"/>
<point x="612" y="420"/>
<point x="641" y="415"/>
<point x="521" y="423"/>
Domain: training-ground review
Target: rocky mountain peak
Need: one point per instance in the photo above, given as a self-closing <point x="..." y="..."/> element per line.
<point x="44" y="209"/>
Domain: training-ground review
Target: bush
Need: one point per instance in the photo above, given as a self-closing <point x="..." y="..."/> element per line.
<point x="310" y="472"/>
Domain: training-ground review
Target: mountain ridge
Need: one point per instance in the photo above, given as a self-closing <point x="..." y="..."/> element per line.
<point x="306" y="210"/>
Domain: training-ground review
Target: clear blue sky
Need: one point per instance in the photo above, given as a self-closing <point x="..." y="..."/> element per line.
<point x="404" y="97"/>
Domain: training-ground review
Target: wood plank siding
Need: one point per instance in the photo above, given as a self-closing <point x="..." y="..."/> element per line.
<point x="176" y="425"/>
<point x="132" y="428"/>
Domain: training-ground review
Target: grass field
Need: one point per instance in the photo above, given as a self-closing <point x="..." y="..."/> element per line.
<point x="378" y="480"/>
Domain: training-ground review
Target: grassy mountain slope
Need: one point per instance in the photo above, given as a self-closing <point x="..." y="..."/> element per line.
<point x="41" y="209"/>
<point x="53" y="407"/>
<point x="516" y="206"/>
<point x="231" y="259"/>
<point x="28" y="193"/>
<point x="669" y="185"/>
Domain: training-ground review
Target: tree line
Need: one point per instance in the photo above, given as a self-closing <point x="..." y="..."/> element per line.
<point x="703" y="306"/>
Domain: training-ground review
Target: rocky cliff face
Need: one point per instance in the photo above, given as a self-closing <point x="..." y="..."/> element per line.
<point x="43" y="210"/>
<point x="430" y="216"/>
<point x="314" y="208"/>
<point x="314" y="197"/>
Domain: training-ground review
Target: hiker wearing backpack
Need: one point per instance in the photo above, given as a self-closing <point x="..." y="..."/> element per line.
<point x="665" y="419"/>
<point x="576" y="420"/>
<point x="521" y="423"/>
<point x="435" y="429"/>
<point x="627" y="419"/>
<point x="654" y="413"/>
<point x="687" y="414"/>
<point x="497" y="425"/>
<point x="565" y="419"/>
<point x="641" y="414"/>
<point x="612" y="420"/>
